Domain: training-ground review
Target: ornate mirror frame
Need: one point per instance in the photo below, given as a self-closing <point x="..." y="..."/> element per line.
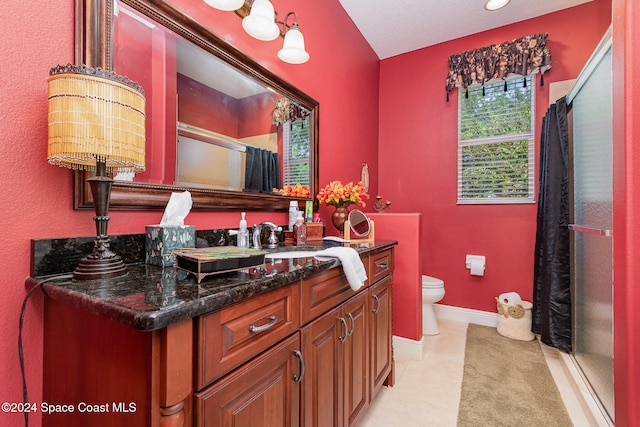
<point x="94" y="47"/>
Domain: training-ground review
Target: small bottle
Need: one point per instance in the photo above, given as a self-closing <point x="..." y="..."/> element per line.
<point x="293" y="213"/>
<point x="243" y="233"/>
<point x="300" y="230"/>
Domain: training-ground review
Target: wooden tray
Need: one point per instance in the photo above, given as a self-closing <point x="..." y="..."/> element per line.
<point x="203" y="262"/>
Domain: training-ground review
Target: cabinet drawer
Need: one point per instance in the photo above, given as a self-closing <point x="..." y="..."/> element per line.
<point x="322" y="292"/>
<point x="380" y="265"/>
<point x="228" y="337"/>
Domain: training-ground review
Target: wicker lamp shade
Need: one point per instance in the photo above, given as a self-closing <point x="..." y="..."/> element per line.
<point x="96" y="122"/>
<point x="95" y="115"/>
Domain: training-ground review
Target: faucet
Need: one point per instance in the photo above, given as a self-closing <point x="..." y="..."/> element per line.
<point x="272" y="241"/>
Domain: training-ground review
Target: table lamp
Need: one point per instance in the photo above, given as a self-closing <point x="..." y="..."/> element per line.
<point x="96" y="122"/>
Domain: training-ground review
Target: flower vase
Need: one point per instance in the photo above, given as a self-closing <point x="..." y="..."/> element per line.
<point x="339" y="216"/>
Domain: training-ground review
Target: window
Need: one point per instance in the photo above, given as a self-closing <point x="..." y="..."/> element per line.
<point x="495" y="143"/>
<point x="296" y="152"/>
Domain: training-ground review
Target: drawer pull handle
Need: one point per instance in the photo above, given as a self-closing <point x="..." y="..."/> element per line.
<point x="375" y="310"/>
<point x="346" y="328"/>
<point x="272" y="321"/>
<point x="384" y="264"/>
<point x="298" y="378"/>
<point x="353" y="324"/>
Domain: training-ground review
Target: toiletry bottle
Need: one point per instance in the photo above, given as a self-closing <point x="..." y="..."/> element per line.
<point x="293" y="213"/>
<point x="300" y="231"/>
<point x="243" y="233"/>
<point x="308" y="210"/>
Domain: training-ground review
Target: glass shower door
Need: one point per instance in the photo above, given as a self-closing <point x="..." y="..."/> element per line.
<point x="592" y="231"/>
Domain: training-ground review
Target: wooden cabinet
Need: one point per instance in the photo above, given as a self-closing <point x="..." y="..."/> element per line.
<point x="356" y="358"/>
<point x="335" y="390"/>
<point x="109" y="374"/>
<point x="380" y="335"/>
<point x="311" y="353"/>
<point x="265" y="392"/>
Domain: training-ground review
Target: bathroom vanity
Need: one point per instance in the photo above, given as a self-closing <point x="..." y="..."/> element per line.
<point x="283" y="344"/>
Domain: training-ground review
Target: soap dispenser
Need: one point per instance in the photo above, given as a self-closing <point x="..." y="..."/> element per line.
<point x="243" y="233"/>
<point x="300" y="230"/>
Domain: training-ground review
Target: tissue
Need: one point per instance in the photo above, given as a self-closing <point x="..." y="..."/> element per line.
<point x="171" y="234"/>
<point x="476" y="264"/>
<point x="177" y="209"/>
<point x="510" y="298"/>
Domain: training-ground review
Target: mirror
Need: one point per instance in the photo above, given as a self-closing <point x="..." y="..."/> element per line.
<point x="359" y="223"/>
<point x="207" y="135"/>
<point x="358" y="227"/>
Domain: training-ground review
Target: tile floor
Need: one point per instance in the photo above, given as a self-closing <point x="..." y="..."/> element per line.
<point x="427" y="392"/>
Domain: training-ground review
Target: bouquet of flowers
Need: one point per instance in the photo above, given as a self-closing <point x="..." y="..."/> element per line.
<point x="298" y="190"/>
<point x="337" y="194"/>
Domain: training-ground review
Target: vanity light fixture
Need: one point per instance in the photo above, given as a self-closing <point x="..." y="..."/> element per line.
<point x="262" y="23"/>
<point x="495" y="4"/>
<point x="96" y="121"/>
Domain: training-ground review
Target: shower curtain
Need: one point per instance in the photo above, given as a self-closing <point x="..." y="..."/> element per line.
<point x="262" y="172"/>
<point x="551" y="314"/>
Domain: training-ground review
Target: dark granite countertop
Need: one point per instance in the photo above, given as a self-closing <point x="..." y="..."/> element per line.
<point x="151" y="297"/>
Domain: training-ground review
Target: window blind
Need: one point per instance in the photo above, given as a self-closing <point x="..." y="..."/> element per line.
<point x="496" y="143"/>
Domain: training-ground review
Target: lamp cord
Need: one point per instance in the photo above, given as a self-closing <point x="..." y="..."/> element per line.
<point x="25" y="396"/>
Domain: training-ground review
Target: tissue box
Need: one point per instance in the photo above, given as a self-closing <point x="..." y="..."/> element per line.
<point x="161" y="241"/>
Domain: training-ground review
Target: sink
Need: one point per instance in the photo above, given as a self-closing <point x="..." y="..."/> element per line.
<point x="290" y="254"/>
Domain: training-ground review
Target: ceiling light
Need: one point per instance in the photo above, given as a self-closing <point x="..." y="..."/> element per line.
<point x="496" y="4"/>
<point x="227" y="5"/>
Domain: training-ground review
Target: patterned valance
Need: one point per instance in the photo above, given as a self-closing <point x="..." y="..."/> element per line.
<point x="523" y="56"/>
<point x="288" y="111"/>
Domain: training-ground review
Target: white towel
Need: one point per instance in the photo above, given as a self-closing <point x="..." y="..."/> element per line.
<point x="351" y="264"/>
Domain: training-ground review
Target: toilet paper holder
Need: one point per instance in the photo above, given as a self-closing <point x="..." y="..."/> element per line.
<point x="475" y="260"/>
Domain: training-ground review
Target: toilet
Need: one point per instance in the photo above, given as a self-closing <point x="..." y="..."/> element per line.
<point x="432" y="292"/>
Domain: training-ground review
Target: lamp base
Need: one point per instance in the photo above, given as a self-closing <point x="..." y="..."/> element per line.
<point x="96" y="269"/>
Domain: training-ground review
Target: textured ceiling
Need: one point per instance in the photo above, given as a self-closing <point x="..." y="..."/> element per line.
<point x="393" y="27"/>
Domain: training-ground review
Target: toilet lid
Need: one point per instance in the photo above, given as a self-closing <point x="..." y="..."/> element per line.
<point x="431" y="282"/>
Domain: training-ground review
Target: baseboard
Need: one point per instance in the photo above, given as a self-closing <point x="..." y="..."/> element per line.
<point x="468" y="315"/>
<point x="406" y="349"/>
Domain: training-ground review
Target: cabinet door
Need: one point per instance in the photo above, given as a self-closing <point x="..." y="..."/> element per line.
<point x="380" y="333"/>
<point x="322" y="385"/>
<point x="263" y="392"/>
<point x="356" y="358"/>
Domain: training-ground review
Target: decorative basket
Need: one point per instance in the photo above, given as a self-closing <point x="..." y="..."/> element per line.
<point x="514" y="321"/>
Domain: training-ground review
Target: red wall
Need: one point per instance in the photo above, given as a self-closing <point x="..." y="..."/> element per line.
<point x="343" y="75"/>
<point x="626" y="211"/>
<point x="37" y="199"/>
<point x="417" y="156"/>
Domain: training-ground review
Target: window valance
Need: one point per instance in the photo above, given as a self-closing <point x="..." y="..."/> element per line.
<point x="524" y="56"/>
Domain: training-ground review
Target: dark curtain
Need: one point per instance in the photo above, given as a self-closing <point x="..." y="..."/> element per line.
<point x="262" y="172"/>
<point x="551" y="291"/>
